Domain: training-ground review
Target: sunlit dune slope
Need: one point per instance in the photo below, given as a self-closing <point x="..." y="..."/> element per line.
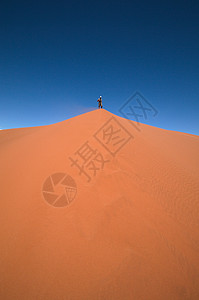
<point x="99" y="207"/>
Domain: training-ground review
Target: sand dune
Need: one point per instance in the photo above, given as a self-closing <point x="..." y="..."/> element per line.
<point x="92" y="208"/>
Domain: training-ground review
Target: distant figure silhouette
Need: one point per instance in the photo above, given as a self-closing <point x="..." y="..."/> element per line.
<point x="100" y="102"/>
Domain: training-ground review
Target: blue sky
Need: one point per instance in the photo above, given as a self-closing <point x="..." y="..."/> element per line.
<point x="57" y="58"/>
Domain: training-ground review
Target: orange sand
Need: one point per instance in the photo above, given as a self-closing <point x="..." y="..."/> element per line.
<point x="132" y="232"/>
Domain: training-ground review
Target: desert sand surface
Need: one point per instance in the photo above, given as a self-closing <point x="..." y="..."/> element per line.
<point x="98" y="207"/>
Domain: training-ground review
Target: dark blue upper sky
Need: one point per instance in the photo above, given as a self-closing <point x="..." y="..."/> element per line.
<point x="57" y="58"/>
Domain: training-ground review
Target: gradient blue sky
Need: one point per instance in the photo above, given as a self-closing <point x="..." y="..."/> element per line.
<point x="57" y="58"/>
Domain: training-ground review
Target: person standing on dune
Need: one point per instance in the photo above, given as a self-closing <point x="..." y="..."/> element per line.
<point x="100" y="102"/>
